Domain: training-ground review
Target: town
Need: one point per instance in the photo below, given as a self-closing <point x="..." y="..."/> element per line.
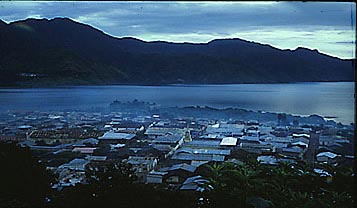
<point x="167" y="150"/>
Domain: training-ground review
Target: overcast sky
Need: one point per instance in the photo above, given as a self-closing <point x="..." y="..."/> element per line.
<point x="328" y="27"/>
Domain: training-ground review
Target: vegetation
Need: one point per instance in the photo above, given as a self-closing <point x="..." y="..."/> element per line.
<point x="64" y="52"/>
<point x="277" y="186"/>
<point x="26" y="183"/>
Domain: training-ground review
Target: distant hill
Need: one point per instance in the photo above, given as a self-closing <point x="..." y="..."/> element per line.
<point x="64" y="52"/>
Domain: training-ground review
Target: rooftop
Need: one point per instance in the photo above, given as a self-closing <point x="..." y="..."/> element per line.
<point x="114" y="135"/>
<point x="229" y="141"/>
<point x="327" y="154"/>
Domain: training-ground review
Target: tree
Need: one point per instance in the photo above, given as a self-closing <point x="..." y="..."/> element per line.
<point x="112" y="185"/>
<point x="24" y="181"/>
<point x="285" y="185"/>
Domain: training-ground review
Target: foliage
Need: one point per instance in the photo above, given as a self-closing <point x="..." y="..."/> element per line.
<point x="24" y="182"/>
<point x="285" y="185"/>
<point x="64" y="52"/>
<point x="113" y="185"/>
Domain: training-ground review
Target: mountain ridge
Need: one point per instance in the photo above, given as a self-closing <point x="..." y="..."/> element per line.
<point x="88" y="55"/>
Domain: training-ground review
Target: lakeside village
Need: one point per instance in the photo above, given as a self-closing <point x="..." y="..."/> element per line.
<point x="168" y="149"/>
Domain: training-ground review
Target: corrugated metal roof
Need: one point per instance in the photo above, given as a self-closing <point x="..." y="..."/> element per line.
<point x="114" y="135"/>
<point x="198" y="157"/>
<point x="203" y="151"/>
<point x="229" y="141"/>
<point x="203" y="143"/>
<point x="327" y="154"/>
<point x="183" y="166"/>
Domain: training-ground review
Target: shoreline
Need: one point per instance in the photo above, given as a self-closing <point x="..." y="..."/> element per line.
<point x="166" y="85"/>
<point x="187" y="111"/>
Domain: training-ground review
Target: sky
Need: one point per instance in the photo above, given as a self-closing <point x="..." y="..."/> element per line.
<point x="328" y="27"/>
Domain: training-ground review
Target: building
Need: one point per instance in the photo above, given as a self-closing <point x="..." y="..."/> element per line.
<point x="204" y="144"/>
<point x="155" y="132"/>
<point x="198" y="155"/>
<point x="267" y="159"/>
<point x="179" y="172"/>
<point x="229" y="142"/>
<point x="331" y="141"/>
<point x="84" y="150"/>
<point x="328" y="157"/>
<point x="75" y="164"/>
<point x="195" y="183"/>
<point x="115" y="137"/>
<point x="225" y="130"/>
<point x="90" y="142"/>
<point x="294" y="151"/>
<point x="142" y="165"/>
<point x="257" y="147"/>
<point x="155" y="177"/>
<point x="254" y="138"/>
<point x="168" y="143"/>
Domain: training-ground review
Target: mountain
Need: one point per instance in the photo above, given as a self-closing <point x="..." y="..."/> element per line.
<point x="60" y="51"/>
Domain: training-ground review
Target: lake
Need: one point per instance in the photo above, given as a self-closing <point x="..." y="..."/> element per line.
<point x="326" y="99"/>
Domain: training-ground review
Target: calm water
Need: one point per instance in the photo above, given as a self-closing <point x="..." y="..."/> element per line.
<point x="326" y="99"/>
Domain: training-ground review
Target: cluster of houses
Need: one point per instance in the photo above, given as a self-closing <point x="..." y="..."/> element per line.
<point x="164" y="151"/>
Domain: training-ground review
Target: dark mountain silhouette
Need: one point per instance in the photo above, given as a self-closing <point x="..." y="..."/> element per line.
<point x="64" y="52"/>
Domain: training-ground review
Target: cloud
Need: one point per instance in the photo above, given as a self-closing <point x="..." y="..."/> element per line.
<point x="310" y="24"/>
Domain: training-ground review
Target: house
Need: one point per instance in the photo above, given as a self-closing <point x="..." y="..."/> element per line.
<point x="294" y="151"/>
<point x="256" y="147"/>
<point x="295" y="135"/>
<point x="276" y="139"/>
<point x="84" y="150"/>
<point x="228" y="142"/>
<point x="328" y="157"/>
<point x="197" y="155"/>
<point x="331" y="141"/>
<point x="250" y="138"/>
<point x="265" y="129"/>
<point x="25" y="127"/>
<point x="126" y="127"/>
<point x="179" y="172"/>
<point x="114" y="147"/>
<point x="155" y="177"/>
<point x="300" y="144"/>
<point x="253" y="132"/>
<point x="212" y="136"/>
<point x="301" y="139"/>
<point x="204" y="144"/>
<point x="173" y="141"/>
<point x="155" y="132"/>
<point x="96" y="158"/>
<point x="195" y="183"/>
<point x="204" y="151"/>
<point x="225" y="129"/>
<point x="322" y="172"/>
<point x="142" y="165"/>
<point x="68" y="178"/>
<point x="115" y="137"/>
<point x="90" y="142"/>
<point x="267" y="159"/>
<point x="274" y="159"/>
<point x="75" y="164"/>
<point x="277" y="142"/>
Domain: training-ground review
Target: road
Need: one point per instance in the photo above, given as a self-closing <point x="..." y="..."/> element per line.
<point x="312" y="149"/>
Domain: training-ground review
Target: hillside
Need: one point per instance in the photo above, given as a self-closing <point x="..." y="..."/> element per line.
<point x="64" y="52"/>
